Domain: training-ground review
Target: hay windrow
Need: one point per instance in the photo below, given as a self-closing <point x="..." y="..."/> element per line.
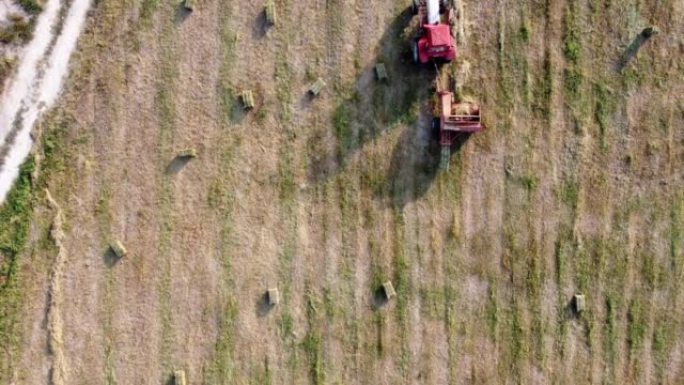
<point x="54" y="318"/>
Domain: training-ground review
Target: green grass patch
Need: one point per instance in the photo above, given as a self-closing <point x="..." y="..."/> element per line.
<point x="610" y="330"/>
<point x="632" y="77"/>
<point x="222" y="367"/>
<point x="518" y="344"/>
<point x="147" y="9"/>
<point x="561" y="260"/>
<point x="17" y="32"/>
<point x="583" y="269"/>
<point x="15" y="215"/>
<point x="572" y="51"/>
<point x="31" y="7"/>
<point x="401" y="284"/>
<point x="286" y="324"/>
<point x="288" y="187"/>
<point x="342" y="121"/>
<point x="433" y="301"/>
<point x="572" y="80"/>
<point x="7" y="65"/>
<point x="525" y="30"/>
<point x="534" y="274"/>
<point x="664" y="336"/>
<point x="313" y="347"/>
<point x="568" y="193"/>
<point x="572" y="45"/>
<point x="530" y="182"/>
<point x="542" y="96"/>
<point x="15" y="218"/>
<point x="636" y="328"/>
<point x="604" y="107"/>
<point x="492" y="311"/>
<point x="283" y="77"/>
<point x="676" y="239"/>
<point x="401" y="274"/>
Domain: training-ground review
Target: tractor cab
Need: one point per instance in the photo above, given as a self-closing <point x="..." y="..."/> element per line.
<point x="435" y="41"/>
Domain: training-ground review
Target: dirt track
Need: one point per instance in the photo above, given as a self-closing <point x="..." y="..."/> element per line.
<point x="574" y="187"/>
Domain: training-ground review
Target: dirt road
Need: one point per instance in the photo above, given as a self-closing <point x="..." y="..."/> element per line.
<point x="43" y="65"/>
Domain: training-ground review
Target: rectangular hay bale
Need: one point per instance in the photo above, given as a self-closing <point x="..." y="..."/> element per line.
<point x="187" y="153"/>
<point x="381" y="71"/>
<point x="118" y="248"/>
<point x="273" y="296"/>
<point x="271" y="13"/>
<point x="316" y="87"/>
<point x="389" y="289"/>
<point x="179" y="377"/>
<point x="189" y="5"/>
<point x="580" y="303"/>
<point x="247" y="98"/>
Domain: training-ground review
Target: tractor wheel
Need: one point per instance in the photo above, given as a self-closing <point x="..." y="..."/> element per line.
<point x="415" y="6"/>
<point x="414" y="51"/>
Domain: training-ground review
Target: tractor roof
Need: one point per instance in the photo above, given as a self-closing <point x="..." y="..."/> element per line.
<point x="439" y="34"/>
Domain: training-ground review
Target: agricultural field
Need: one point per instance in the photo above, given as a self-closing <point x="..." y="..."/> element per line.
<point x="575" y="187"/>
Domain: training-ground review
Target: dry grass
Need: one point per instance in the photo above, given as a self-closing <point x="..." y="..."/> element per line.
<point x="55" y="323"/>
<point x="573" y="188"/>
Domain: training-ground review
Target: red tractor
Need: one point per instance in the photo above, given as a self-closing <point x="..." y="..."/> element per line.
<point x="455" y="118"/>
<point x="434" y="41"/>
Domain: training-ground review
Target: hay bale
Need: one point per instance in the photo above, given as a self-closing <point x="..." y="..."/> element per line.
<point x="271" y="13"/>
<point x="273" y="296"/>
<point x="580" y="303"/>
<point x="118" y="248"/>
<point x="189" y="5"/>
<point x="388" y="288"/>
<point x="187" y="153"/>
<point x="316" y="87"/>
<point x="247" y="98"/>
<point x="179" y="377"/>
<point x="381" y="71"/>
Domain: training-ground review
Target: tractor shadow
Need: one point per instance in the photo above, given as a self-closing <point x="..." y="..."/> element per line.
<point x="631" y="51"/>
<point x="374" y="108"/>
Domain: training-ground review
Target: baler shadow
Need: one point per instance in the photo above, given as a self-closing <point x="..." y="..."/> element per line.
<point x="414" y="164"/>
<point x="375" y="107"/>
